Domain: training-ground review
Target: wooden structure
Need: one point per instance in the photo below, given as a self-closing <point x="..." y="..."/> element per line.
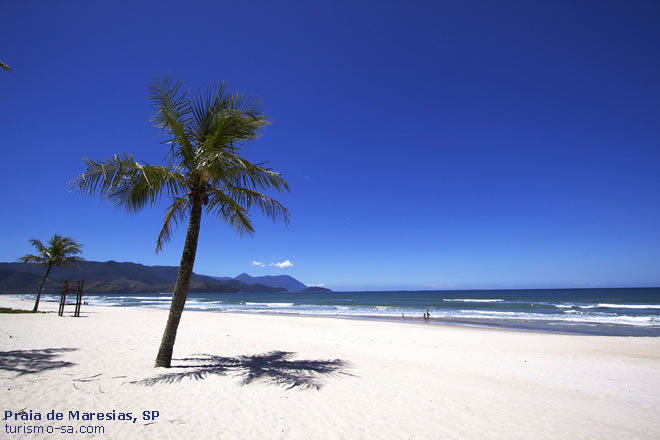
<point x="71" y="287"/>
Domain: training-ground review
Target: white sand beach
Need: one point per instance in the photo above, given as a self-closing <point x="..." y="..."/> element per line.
<point x="265" y="376"/>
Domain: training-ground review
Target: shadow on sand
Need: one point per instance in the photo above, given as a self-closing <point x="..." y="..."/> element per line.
<point x="33" y="361"/>
<point x="275" y="367"/>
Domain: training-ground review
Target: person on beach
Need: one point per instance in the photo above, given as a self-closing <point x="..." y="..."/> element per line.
<point x="428" y="316"/>
<point x="425" y="317"/>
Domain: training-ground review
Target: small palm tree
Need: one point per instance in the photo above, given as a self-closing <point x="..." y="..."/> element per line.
<point x="203" y="171"/>
<point x="61" y="251"/>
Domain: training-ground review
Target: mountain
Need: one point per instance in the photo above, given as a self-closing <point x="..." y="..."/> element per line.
<point x="12" y="280"/>
<point x="116" y="277"/>
<point x="289" y="283"/>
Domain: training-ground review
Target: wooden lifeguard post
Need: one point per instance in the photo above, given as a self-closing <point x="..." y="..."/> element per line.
<point x="75" y="287"/>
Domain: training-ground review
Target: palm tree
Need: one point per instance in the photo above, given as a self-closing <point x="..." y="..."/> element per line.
<point x="202" y="171"/>
<point x="61" y="251"/>
<point x="5" y="67"/>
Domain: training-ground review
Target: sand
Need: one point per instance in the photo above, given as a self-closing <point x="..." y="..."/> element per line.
<point x="266" y="376"/>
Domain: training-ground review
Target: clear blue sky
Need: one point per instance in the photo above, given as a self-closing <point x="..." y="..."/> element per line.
<point x="428" y="144"/>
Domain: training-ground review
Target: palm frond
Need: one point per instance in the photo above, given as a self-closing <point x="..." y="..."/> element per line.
<point x="229" y="211"/>
<point x="61" y="251"/>
<point x="239" y="172"/>
<point x="230" y="129"/>
<point x="204" y="110"/>
<point x="250" y="106"/>
<point x="127" y="183"/>
<point x="205" y="135"/>
<point x="173" y="117"/>
<point x="176" y="213"/>
<point x="39" y="246"/>
<point x="5" y="67"/>
<point x="224" y="121"/>
<point x="68" y="261"/>
<point x="250" y="199"/>
<point x="30" y="258"/>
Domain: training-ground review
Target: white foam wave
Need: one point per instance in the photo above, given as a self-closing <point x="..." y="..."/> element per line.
<point x="568" y="313"/>
<point x="629" y="306"/>
<point x="105" y="304"/>
<point x="269" y="304"/>
<point x="620" y="319"/>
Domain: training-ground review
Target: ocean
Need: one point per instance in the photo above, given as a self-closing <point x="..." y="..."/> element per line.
<point x="614" y="312"/>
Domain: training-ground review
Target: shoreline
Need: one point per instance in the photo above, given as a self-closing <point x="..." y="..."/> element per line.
<point x="264" y="376"/>
<point x="536" y="326"/>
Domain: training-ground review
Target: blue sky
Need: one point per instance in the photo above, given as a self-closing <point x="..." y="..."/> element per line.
<point x="429" y="145"/>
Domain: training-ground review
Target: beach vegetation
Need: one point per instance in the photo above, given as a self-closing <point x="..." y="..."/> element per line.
<point x="3" y="66"/>
<point x="203" y="171"/>
<point x="9" y="310"/>
<point x="60" y="252"/>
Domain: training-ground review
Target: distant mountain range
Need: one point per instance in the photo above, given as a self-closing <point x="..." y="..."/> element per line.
<point x="115" y="277"/>
<point x="289" y="283"/>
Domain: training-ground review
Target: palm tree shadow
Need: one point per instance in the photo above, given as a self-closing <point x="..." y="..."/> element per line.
<point x="33" y="361"/>
<point x="275" y="367"/>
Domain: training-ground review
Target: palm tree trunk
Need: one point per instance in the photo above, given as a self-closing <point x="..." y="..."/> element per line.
<point x="164" y="358"/>
<point x="41" y="286"/>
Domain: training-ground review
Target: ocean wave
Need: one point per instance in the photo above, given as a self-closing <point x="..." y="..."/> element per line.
<point x="494" y="313"/>
<point x="269" y="304"/>
<point x="573" y="316"/>
<point x="551" y="311"/>
<point x="200" y="307"/>
<point x="103" y="304"/>
<point x="629" y="306"/>
<point x="619" y="319"/>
